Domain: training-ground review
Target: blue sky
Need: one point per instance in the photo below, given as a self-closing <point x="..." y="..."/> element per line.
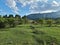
<point x="25" y="7"/>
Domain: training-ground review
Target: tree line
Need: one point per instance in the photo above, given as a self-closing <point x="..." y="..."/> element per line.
<point x="12" y="21"/>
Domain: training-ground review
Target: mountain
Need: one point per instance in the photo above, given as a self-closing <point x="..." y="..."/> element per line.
<point x="35" y="16"/>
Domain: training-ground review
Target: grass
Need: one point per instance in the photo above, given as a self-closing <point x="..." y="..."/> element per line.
<point x="24" y="35"/>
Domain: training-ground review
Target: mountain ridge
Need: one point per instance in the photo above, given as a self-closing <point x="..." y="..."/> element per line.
<point x="44" y="15"/>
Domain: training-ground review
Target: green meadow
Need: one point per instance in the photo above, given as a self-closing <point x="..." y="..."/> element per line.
<point x="26" y="35"/>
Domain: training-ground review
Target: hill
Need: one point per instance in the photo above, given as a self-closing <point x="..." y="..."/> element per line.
<point x="35" y="16"/>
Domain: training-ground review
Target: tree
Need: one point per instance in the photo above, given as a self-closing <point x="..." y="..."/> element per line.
<point x="18" y="19"/>
<point x="57" y="22"/>
<point x="40" y="21"/>
<point x="25" y="20"/>
<point x="49" y="22"/>
<point x="2" y="22"/>
<point x="10" y="16"/>
<point x="5" y="16"/>
<point x="17" y="16"/>
<point x="11" y="22"/>
<point x="0" y="16"/>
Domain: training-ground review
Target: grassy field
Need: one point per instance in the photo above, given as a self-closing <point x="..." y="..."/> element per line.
<point x="25" y="35"/>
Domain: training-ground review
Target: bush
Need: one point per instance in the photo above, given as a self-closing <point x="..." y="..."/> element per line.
<point x="2" y="22"/>
<point x="49" y="22"/>
<point x="11" y="22"/>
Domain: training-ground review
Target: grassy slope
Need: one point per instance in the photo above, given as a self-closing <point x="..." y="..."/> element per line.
<point x="22" y="35"/>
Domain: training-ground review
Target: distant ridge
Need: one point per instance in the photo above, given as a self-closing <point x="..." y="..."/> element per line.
<point x="44" y="15"/>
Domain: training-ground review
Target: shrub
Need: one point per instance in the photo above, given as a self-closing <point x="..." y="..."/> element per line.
<point x="2" y="22"/>
<point x="11" y="22"/>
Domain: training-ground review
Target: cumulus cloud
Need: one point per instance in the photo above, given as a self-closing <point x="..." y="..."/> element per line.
<point x="45" y="7"/>
<point x="55" y="3"/>
<point x="43" y="0"/>
<point x="48" y="11"/>
<point x="12" y="4"/>
<point x="35" y="6"/>
<point x="26" y="2"/>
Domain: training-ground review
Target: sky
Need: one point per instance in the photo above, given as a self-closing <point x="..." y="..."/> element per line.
<point x="25" y="7"/>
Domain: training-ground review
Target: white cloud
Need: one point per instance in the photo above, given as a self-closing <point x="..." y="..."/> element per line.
<point x="54" y="3"/>
<point x="45" y="7"/>
<point x="12" y="5"/>
<point x="43" y="0"/>
<point x="35" y="6"/>
<point x="26" y="2"/>
<point x="48" y="11"/>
